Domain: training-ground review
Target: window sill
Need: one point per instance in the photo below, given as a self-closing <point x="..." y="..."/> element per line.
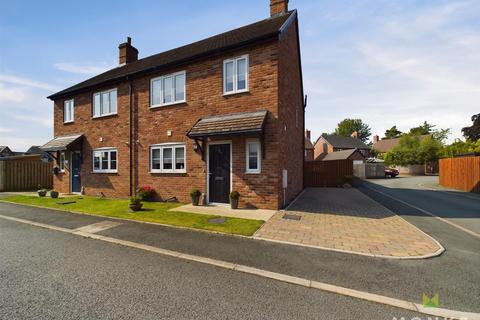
<point x="67" y="122"/>
<point x="167" y="104"/>
<point x="105" y="116"/>
<point x="253" y="172"/>
<point x="226" y="94"/>
<point x="104" y="172"/>
<point x="168" y="172"/>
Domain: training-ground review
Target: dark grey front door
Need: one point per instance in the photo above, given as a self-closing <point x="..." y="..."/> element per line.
<point x="76" y="167"/>
<point x="219" y="173"/>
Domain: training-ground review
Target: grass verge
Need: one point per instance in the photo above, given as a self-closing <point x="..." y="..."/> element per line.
<point x="152" y="212"/>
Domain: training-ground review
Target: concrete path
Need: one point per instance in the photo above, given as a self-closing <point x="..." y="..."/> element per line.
<point x="347" y="220"/>
<point x="226" y="211"/>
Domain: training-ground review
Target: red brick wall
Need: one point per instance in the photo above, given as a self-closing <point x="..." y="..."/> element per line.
<point x="204" y="91"/>
<point x="291" y="115"/>
<point x="309" y="154"/>
<point x="320" y="149"/>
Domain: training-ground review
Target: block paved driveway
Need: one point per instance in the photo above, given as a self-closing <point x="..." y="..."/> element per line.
<point x="348" y="220"/>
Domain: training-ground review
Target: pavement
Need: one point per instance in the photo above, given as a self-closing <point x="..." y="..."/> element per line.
<point x="347" y="220"/>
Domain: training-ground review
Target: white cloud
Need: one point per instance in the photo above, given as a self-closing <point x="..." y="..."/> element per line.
<point x="5" y="130"/>
<point x="43" y="120"/>
<point x="27" y="82"/>
<point x="83" y="69"/>
<point x="11" y="94"/>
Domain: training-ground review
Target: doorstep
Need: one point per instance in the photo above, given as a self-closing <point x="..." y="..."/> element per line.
<point x="226" y="211"/>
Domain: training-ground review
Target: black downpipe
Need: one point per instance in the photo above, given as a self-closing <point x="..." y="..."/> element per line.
<point x="130" y="144"/>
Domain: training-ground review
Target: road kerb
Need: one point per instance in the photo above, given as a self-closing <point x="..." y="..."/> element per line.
<point x="451" y="314"/>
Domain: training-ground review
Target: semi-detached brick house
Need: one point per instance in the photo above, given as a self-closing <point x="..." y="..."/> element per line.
<point x="224" y="113"/>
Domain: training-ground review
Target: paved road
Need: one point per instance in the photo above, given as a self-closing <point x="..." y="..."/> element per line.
<point x="424" y="192"/>
<point x="455" y="274"/>
<point x="50" y="275"/>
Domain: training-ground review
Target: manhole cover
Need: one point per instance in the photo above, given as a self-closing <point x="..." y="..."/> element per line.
<point x="217" y="220"/>
<point x="287" y="216"/>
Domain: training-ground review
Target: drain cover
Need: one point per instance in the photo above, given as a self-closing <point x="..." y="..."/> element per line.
<point x="287" y="216"/>
<point x="217" y="220"/>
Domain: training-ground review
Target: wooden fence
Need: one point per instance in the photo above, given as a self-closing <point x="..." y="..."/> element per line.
<point x="461" y="173"/>
<point x="326" y="173"/>
<point x="25" y="175"/>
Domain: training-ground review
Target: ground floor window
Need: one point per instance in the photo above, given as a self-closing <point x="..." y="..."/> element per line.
<point x="253" y="156"/>
<point x="105" y="160"/>
<point x="167" y="158"/>
<point x="61" y="162"/>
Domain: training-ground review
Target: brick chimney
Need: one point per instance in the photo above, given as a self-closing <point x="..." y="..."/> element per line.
<point x="354" y="134"/>
<point x="308" y="134"/>
<point x="376" y="138"/>
<point x="278" y="7"/>
<point x="127" y="53"/>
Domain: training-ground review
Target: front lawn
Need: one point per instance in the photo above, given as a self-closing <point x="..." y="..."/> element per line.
<point x="151" y="212"/>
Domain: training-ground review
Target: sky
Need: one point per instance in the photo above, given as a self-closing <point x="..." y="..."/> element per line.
<point x="387" y="62"/>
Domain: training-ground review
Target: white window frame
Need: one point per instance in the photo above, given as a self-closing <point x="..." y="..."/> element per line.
<point x="173" y="90"/>
<point x="61" y="161"/>
<point x="235" y="75"/>
<point x="173" y="146"/>
<point x="71" y="103"/>
<point x="259" y="156"/>
<point x="101" y="93"/>
<point x="109" y="170"/>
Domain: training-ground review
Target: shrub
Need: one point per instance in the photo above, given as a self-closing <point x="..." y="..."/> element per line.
<point x="195" y="193"/>
<point x="135" y="200"/>
<point x="234" y="195"/>
<point x="146" y="193"/>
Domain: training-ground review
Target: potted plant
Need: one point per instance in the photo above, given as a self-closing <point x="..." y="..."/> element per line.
<point x="54" y="194"/>
<point x="195" y="195"/>
<point x="146" y="193"/>
<point x="234" y="196"/>
<point x="135" y="204"/>
<point x="42" y="193"/>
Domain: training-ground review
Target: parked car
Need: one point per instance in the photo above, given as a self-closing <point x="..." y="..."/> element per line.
<point x="390" y="172"/>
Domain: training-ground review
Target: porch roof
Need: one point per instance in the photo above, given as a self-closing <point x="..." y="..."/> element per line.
<point x="61" y="142"/>
<point x="229" y="124"/>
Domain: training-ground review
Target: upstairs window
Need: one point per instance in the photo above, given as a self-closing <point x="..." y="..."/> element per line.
<point x="68" y="111"/>
<point x="167" y="158"/>
<point x="253" y="156"/>
<point x="105" y="103"/>
<point x="168" y="89"/>
<point x="235" y="75"/>
<point x="105" y="160"/>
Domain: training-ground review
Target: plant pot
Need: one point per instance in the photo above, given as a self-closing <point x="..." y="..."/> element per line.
<point x="234" y="203"/>
<point x="195" y="201"/>
<point x="42" y="193"/>
<point x="135" y="206"/>
<point x="54" y="194"/>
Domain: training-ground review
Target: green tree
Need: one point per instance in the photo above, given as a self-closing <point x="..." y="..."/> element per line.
<point x="425" y="128"/>
<point x="473" y="132"/>
<point x="393" y="132"/>
<point x="414" y="150"/>
<point x="347" y="126"/>
<point x="459" y="147"/>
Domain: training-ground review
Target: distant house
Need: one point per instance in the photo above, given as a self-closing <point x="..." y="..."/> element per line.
<point x="309" y="148"/>
<point x="35" y="150"/>
<point x="333" y="143"/>
<point x="386" y="145"/>
<point x="353" y="154"/>
<point x="6" y="152"/>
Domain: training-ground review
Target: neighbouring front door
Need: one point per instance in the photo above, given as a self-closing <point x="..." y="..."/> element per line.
<point x="219" y="173"/>
<point x="75" y="172"/>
